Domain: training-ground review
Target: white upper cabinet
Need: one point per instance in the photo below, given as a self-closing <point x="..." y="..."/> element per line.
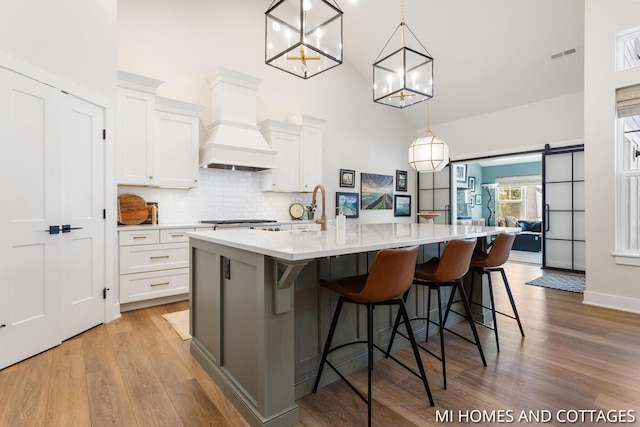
<point x="177" y="143"/>
<point x="284" y="138"/>
<point x="310" y="151"/>
<point x="157" y="138"/>
<point x="298" y="143"/>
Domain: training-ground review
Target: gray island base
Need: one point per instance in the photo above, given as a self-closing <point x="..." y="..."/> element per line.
<point x="245" y="284"/>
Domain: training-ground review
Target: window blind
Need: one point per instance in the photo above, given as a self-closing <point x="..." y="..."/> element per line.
<point x="628" y="101"/>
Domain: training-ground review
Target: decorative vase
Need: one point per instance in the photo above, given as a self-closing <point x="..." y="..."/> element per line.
<point x="310" y="215"/>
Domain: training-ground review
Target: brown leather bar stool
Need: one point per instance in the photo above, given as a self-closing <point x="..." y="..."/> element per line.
<point x="487" y="262"/>
<point x="437" y="273"/>
<point x="389" y="278"/>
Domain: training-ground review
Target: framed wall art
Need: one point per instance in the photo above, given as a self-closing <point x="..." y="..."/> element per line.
<point x="401" y="180"/>
<point x="376" y="191"/>
<point x="472" y="184"/>
<point x="347" y="178"/>
<point x="478" y="199"/>
<point x="460" y="172"/>
<point x="401" y="205"/>
<point x="349" y="204"/>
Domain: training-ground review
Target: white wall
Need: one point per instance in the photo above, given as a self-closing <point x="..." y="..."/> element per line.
<point x="181" y="42"/>
<point x="555" y="121"/>
<point x="608" y="284"/>
<point x="71" y="39"/>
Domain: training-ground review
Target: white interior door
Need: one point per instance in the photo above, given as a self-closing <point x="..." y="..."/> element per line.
<point x="30" y="257"/>
<point x="53" y="175"/>
<point x="82" y="146"/>
<point x="564" y="210"/>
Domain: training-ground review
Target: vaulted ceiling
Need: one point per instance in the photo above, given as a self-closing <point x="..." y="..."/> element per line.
<point x="488" y="55"/>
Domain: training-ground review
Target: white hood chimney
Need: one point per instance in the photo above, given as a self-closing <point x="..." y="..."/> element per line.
<point x="235" y="140"/>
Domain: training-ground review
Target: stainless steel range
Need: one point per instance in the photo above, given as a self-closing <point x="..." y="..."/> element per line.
<point x="242" y="223"/>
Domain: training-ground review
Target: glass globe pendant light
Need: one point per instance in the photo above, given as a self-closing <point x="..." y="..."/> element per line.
<point x="428" y="153"/>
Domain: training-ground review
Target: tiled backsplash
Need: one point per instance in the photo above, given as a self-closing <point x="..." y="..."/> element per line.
<point x="222" y="194"/>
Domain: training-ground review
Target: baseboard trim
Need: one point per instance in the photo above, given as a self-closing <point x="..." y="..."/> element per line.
<point x="612" y="301"/>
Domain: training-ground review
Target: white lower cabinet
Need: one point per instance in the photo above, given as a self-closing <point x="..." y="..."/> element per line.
<point x="153" y="263"/>
<point x="155" y="284"/>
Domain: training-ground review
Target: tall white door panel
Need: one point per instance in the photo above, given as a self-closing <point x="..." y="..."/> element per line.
<point x="82" y="146"/>
<point x="564" y="209"/>
<point x="30" y="257"/>
<point x="53" y="176"/>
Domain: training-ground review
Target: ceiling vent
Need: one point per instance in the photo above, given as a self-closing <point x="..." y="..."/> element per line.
<point x="564" y="53"/>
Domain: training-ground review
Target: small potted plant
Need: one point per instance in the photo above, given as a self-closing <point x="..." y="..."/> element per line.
<point x="311" y="211"/>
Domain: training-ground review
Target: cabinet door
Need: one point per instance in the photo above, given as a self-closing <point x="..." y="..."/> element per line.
<point x="134" y="139"/>
<point x="286" y="176"/>
<point x="310" y="158"/>
<point x="176" y="150"/>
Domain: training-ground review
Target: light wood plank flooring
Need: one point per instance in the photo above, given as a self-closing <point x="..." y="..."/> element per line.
<point x="136" y="371"/>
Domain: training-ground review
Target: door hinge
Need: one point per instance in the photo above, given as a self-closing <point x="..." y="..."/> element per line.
<point x="104" y="214"/>
<point x="104" y="134"/>
<point x="104" y="293"/>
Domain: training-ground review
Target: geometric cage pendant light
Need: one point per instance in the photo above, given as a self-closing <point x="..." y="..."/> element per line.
<point x="403" y="76"/>
<point x="303" y="37"/>
<point x="429" y="153"/>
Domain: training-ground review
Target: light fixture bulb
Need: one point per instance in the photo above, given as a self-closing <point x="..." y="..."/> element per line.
<point x="306" y="5"/>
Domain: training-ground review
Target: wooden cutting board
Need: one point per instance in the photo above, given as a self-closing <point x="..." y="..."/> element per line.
<point x="132" y="209"/>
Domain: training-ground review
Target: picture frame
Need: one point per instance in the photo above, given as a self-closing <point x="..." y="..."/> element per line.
<point x="478" y="199"/>
<point x="401" y="180"/>
<point x="349" y="203"/>
<point x="347" y="178"/>
<point x="472" y="184"/>
<point x="376" y="191"/>
<point x="460" y="172"/>
<point x="401" y="205"/>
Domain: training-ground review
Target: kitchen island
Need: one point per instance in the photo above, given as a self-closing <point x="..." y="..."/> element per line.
<point x="261" y="352"/>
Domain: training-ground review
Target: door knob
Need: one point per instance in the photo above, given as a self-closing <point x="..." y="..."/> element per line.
<point x="53" y="229"/>
<point x="66" y="228"/>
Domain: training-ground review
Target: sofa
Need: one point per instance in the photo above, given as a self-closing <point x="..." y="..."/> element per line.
<point x="530" y="238"/>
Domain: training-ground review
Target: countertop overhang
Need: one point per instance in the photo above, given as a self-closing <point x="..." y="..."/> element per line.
<point x="300" y="245"/>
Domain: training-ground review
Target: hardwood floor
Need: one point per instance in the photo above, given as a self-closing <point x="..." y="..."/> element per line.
<point x="136" y="371"/>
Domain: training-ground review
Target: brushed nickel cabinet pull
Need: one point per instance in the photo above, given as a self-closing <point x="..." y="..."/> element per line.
<point x="159" y="256"/>
<point x="139" y="237"/>
<point x="177" y="235"/>
<point x="160" y="284"/>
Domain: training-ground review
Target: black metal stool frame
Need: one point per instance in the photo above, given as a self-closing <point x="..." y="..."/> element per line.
<point x="515" y="316"/>
<point x="456" y="285"/>
<point x="402" y="311"/>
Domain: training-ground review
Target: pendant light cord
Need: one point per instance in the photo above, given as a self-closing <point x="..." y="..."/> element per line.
<point x="402" y="22"/>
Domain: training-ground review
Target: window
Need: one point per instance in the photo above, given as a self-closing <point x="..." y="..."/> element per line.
<point x="628" y="50"/>
<point x="628" y="125"/>
<point x="519" y="197"/>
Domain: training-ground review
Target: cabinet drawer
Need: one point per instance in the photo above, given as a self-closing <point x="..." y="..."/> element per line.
<point x="143" y="286"/>
<point x="174" y="235"/>
<point x="139" y="237"/>
<point x="138" y="259"/>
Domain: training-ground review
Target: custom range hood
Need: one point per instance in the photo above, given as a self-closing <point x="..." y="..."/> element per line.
<point x="235" y="141"/>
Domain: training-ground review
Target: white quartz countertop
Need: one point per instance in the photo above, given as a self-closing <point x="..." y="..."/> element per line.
<point x="299" y="245"/>
<point x="161" y="226"/>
